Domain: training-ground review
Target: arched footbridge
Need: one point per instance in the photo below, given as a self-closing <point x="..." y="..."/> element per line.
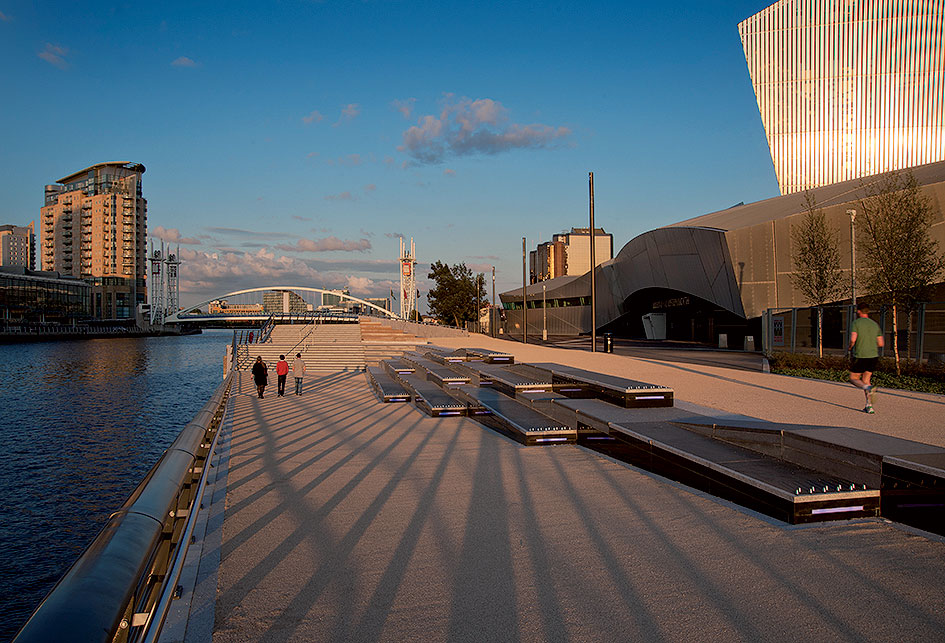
<point x="253" y="304"/>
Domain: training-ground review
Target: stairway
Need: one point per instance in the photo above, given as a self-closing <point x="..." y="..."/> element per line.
<point x="334" y="347"/>
<point x="330" y="347"/>
<point x="382" y="342"/>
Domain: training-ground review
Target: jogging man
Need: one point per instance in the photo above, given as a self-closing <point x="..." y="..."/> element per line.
<point x="866" y="339"/>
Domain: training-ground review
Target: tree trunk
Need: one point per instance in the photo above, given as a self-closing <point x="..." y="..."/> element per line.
<point x="909" y="334"/>
<point x="895" y="321"/>
<point x="820" y="332"/>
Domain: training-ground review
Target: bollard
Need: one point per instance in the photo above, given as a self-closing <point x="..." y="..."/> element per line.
<point x="608" y="343"/>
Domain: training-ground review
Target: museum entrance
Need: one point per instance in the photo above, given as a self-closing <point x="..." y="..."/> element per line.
<point x="662" y="314"/>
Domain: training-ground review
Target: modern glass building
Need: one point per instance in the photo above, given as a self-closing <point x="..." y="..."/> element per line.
<point x="43" y="296"/>
<point x="848" y="89"/>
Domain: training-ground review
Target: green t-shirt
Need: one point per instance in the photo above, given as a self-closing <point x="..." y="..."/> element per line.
<point x="866" y="333"/>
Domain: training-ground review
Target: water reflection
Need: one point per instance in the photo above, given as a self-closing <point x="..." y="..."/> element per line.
<point x="82" y="423"/>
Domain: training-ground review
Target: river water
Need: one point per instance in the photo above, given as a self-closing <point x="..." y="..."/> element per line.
<point x="81" y="423"/>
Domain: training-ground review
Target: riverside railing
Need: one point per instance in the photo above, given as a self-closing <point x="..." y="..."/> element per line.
<point x="120" y="588"/>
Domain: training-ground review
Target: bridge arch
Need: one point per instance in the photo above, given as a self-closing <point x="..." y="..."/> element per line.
<point x="181" y="315"/>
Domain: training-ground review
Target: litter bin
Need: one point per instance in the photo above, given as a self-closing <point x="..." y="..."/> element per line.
<point x="608" y="343"/>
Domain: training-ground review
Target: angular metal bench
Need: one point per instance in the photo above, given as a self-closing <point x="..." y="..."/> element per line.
<point x="577" y="382"/>
<point x="386" y="388"/>
<point x="515" y="419"/>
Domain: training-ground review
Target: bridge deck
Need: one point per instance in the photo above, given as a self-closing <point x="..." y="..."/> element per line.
<point x="352" y="520"/>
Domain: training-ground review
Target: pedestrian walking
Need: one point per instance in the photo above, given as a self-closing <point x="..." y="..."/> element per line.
<point x="260" y="376"/>
<point x="298" y="372"/>
<point x="866" y="338"/>
<point x="282" y="371"/>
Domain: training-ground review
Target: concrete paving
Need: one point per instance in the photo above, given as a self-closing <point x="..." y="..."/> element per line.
<point x="352" y="520"/>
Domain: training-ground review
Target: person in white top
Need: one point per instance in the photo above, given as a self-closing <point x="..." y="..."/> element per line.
<point x="298" y="372"/>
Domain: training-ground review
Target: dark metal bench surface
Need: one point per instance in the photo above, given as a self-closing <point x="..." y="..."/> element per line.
<point x="782" y="478"/>
<point x="388" y="388"/>
<point x="438" y="372"/>
<point x="519" y="416"/>
<point x="622" y="384"/>
<point x="431" y="394"/>
<point x="602" y="412"/>
<point x="398" y="365"/>
<point x="488" y="355"/>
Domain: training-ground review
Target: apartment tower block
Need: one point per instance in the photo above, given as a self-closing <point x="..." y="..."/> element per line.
<point x="94" y="226"/>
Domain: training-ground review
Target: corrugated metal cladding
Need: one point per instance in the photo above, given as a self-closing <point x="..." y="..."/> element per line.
<point x="848" y="88"/>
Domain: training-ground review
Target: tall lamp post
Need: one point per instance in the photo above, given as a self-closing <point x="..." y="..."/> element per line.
<point x="524" y="296"/>
<point x="544" y="313"/>
<point x="590" y="177"/>
<point x="852" y="315"/>
<point x="492" y="312"/>
<point x="852" y="214"/>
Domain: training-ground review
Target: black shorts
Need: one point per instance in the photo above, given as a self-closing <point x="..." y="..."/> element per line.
<point x="863" y="364"/>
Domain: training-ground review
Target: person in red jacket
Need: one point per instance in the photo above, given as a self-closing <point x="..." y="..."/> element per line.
<point x="282" y="369"/>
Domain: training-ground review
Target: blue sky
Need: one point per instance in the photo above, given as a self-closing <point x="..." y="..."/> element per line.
<point x="292" y="142"/>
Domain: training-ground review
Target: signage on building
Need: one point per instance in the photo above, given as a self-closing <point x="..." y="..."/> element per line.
<point x="777" y="330"/>
<point x="675" y="302"/>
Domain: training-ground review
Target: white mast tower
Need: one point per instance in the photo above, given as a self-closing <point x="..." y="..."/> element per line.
<point x="408" y="281"/>
<point x="156" y="287"/>
<point x="171" y="280"/>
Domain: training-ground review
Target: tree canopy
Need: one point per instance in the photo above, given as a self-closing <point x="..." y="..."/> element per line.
<point x="899" y="257"/>
<point x="816" y="255"/>
<point x="455" y="293"/>
<point x="817" y="258"/>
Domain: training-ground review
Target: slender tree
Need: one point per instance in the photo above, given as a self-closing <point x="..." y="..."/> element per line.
<point x="816" y="256"/>
<point x="455" y="292"/>
<point x="900" y="259"/>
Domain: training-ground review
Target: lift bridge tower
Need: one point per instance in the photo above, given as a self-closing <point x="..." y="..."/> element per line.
<point x="164" y="289"/>
<point x="408" y="280"/>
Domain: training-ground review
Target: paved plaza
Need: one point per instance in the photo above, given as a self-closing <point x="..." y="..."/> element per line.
<point x="351" y="520"/>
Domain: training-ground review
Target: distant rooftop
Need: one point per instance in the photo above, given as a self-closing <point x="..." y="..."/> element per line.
<point x="743" y="216"/>
<point x="127" y="165"/>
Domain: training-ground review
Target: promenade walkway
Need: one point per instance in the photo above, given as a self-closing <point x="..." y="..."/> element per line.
<point x="352" y="520"/>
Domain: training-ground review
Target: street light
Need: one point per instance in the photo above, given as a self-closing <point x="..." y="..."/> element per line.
<point x="492" y="320"/>
<point x="544" y="314"/>
<point x="852" y="214"/>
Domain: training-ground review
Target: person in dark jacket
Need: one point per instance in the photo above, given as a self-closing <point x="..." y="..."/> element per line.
<point x="260" y="375"/>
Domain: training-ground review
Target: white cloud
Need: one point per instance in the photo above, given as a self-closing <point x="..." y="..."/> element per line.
<point x="328" y="244"/>
<point x="212" y="274"/>
<point x="370" y="188"/>
<point x="55" y="55"/>
<point x="313" y="117"/>
<point x="173" y="235"/>
<point x="405" y="106"/>
<point x="449" y="172"/>
<point x="183" y="61"/>
<point x="344" y="196"/>
<point x="348" y="112"/>
<point x="467" y="127"/>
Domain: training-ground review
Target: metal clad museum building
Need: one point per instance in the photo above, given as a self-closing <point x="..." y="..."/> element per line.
<point x="847" y="92"/>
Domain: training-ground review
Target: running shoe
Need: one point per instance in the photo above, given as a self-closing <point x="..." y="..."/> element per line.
<point x="869" y="409"/>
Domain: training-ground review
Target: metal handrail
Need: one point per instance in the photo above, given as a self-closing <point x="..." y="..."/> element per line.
<point x="113" y="590"/>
